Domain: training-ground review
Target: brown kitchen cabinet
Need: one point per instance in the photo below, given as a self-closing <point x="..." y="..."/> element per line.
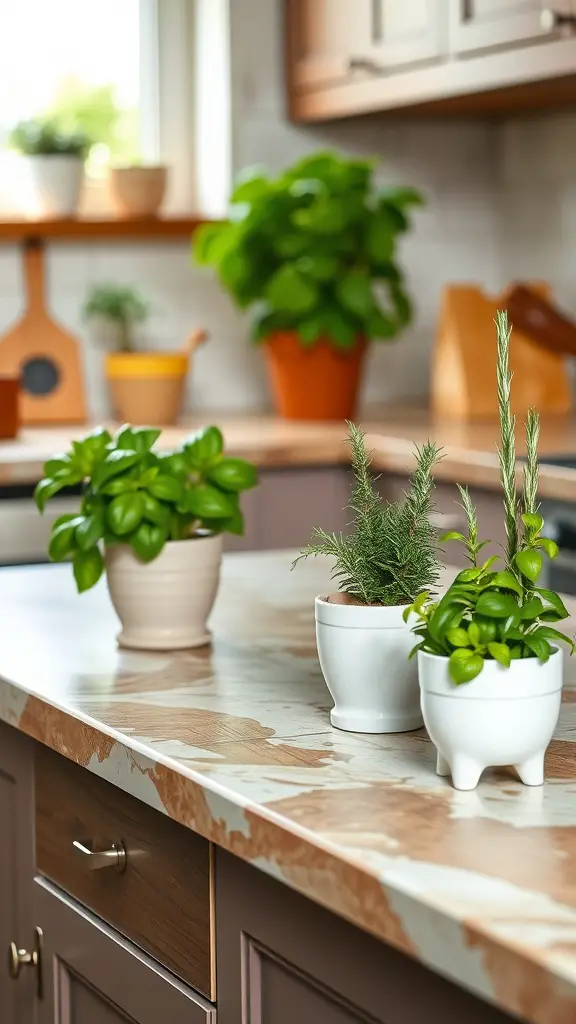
<point x="17" y="999"/>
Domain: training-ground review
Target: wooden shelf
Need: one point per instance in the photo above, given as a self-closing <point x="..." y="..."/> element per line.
<point x="141" y="229"/>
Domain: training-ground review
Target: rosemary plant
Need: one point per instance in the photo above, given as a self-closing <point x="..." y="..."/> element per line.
<point x="488" y="614"/>
<point x="389" y="557"/>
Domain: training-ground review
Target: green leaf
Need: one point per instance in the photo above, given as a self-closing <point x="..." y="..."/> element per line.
<point x="500" y="653"/>
<point x="310" y="330"/>
<point x="379" y="326"/>
<point x="203" y="449"/>
<point x="552" y="598"/>
<point x="507" y="581"/>
<point x="547" y="545"/>
<point x="62" y="539"/>
<point x="441" y="620"/>
<point x="148" y="540"/>
<point x="326" y="216"/>
<point x="468" y="575"/>
<point x="464" y="666"/>
<point x="124" y="513"/>
<point x="90" y="530"/>
<point x="166" y="488"/>
<point x="233" y="474"/>
<point x="539" y="646"/>
<point x="291" y="292"/>
<point x="531" y="609"/>
<point x="474" y="633"/>
<point x="137" y="439"/>
<point x="453" y="535"/>
<point x="321" y="268"/>
<point x="530" y="563"/>
<point x="251" y="189"/>
<point x="380" y="237"/>
<point x="548" y="633"/>
<point x="355" y="293"/>
<point x="532" y="521"/>
<point x="59" y="465"/>
<point x="339" y="329"/>
<point x="119" y="485"/>
<point x="458" y="637"/>
<point x="487" y="629"/>
<point x="402" y="196"/>
<point x="88" y="567"/>
<point x="46" y="489"/>
<point x="495" y="605"/>
<point x="153" y="510"/>
<point x="116" y="462"/>
<point x="207" y="502"/>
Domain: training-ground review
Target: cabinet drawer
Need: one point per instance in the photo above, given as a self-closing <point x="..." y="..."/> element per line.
<point x="162" y="899"/>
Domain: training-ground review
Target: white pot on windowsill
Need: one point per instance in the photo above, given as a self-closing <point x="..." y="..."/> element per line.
<point x="164" y="604"/>
<point x="54" y="183"/>
<point x="363" y="652"/>
<point x="505" y="716"/>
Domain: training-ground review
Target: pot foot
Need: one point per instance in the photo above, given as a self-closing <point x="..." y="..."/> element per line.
<point x="442" y="766"/>
<point x="465" y="772"/>
<point x="531" y="772"/>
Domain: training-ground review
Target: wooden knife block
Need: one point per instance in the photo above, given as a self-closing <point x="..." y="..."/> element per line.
<point x="464" y="361"/>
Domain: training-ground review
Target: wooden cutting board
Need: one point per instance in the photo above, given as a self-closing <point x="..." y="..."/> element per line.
<point x="464" y="361"/>
<point x="45" y="356"/>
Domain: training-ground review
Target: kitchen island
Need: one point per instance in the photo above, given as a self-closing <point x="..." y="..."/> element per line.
<point x="233" y="742"/>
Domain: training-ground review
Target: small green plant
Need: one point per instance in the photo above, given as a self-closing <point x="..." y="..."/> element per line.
<point x="137" y="496"/>
<point x="488" y="614"/>
<point x="120" y="305"/>
<point x="314" y="251"/>
<point x="44" y="137"/>
<point x="389" y="557"/>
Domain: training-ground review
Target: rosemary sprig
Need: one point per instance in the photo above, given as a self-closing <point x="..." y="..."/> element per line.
<point x="507" y="448"/>
<point x="530" y="493"/>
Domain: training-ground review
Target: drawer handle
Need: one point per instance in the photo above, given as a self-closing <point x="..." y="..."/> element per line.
<point x="365" y="64"/>
<point x="19" y="958"/>
<point x="95" y="860"/>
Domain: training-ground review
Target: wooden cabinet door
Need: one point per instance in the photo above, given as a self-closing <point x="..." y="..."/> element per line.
<point x="284" y="960"/>
<point x="93" y="976"/>
<point x="407" y="33"/>
<point x="490" y="24"/>
<point x="324" y="36"/>
<point x="17" y="997"/>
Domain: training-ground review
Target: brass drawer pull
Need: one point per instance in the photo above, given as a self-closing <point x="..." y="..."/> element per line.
<point x="19" y="958"/>
<point x="95" y="860"/>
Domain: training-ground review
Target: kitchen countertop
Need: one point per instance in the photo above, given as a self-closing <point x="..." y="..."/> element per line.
<point x="234" y="742"/>
<point x="470" y="448"/>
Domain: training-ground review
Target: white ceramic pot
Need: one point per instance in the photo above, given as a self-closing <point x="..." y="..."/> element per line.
<point x="506" y="716"/>
<point x="363" y="654"/>
<point x="55" y="183"/>
<point x="164" y="604"/>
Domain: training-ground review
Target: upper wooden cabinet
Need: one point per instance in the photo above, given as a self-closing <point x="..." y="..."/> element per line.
<point x="347" y="57"/>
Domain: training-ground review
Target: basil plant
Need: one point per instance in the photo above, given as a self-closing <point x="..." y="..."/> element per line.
<point x="133" y="494"/>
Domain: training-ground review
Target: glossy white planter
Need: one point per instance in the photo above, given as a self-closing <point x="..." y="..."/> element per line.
<point x="506" y="716"/>
<point x="363" y="654"/>
<point x="55" y="183"/>
<point x="164" y="604"/>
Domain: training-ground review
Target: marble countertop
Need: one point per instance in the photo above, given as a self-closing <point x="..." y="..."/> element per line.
<point x="392" y="432"/>
<point x="234" y="741"/>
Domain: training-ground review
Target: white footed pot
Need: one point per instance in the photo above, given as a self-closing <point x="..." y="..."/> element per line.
<point x="363" y="652"/>
<point x="55" y="184"/>
<point x="505" y="716"/>
<point x="164" y="604"/>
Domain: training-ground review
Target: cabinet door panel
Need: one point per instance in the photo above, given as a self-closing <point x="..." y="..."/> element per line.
<point x="17" y="998"/>
<point x="94" y="976"/>
<point x="407" y="33"/>
<point x="489" y="24"/>
<point x="323" y="35"/>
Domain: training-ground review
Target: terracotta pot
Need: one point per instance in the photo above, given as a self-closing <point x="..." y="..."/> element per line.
<point x="316" y="383"/>
<point x="147" y="387"/>
<point x="138" y="191"/>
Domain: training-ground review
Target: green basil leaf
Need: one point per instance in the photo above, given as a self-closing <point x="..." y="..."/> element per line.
<point x="115" y="462"/>
<point x="531" y="609"/>
<point x="47" y="488"/>
<point x="474" y="633"/>
<point x="67" y="518"/>
<point x="507" y="581"/>
<point x="533" y="521"/>
<point x="500" y="653"/>
<point x="62" y="539"/>
<point x="166" y="488"/>
<point x="530" y="563"/>
<point x="464" y="666"/>
<point x="154" y="511"/>
<point x="552" y="598"/>
<point x="203" y="449"/>
<point x="58" y="465"/>
<point x="90" y="530"/>
<point x="207" y="502"/>
<point x="233" y="474"/>
<point x="119" y="485"/>
<point x="547" y="545"/>
<point x="495" y="605"/>
<point x="458" y="637"/>
<point x="124" y="513"/>
<point x="540" y="647"/>
<point x="487" y="629"/>
<point x="148" y="540"/>
<point x="88" y="567"/>
<point x="138" y="439"/>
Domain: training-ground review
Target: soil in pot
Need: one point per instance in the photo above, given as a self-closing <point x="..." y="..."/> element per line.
<point x="321" y="382"/>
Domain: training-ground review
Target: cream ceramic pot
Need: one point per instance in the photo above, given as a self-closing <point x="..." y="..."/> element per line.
<point x="164" y="604"/>
<point x="55" y="183"/>
<point x="363" y="654"/>
<point x="506" y="716"/>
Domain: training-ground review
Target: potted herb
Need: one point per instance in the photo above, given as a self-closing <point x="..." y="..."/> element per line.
<point x="154" y="521"/>
<point x="313" y="253"/>
<point x="146" y="387"/>
<point x="55" y="162"/>
<point x="386" y="561"/>
<point x="488" y="658"/>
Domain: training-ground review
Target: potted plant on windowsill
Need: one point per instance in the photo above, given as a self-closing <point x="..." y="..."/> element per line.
<point x="489" y="664"/>
<point x="154" y="521"/>
<point x="55" y="161"/>
<point x="146" y="387"/>
<point x="313" y="252"/>
<point x="137" y="190"/>
<point x="381" y="566"/>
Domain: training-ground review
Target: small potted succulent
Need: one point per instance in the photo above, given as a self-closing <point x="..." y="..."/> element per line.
<point x="154" y="521"/>
<point x="314" y="254"/>
<point x="488" y="658"/>
<point x="55" y="162"/>
<point x="382" y="566"/>
<point x="146" y="387"/>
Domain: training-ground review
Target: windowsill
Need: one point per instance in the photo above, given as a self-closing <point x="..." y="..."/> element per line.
<point x="106" y="228"/>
